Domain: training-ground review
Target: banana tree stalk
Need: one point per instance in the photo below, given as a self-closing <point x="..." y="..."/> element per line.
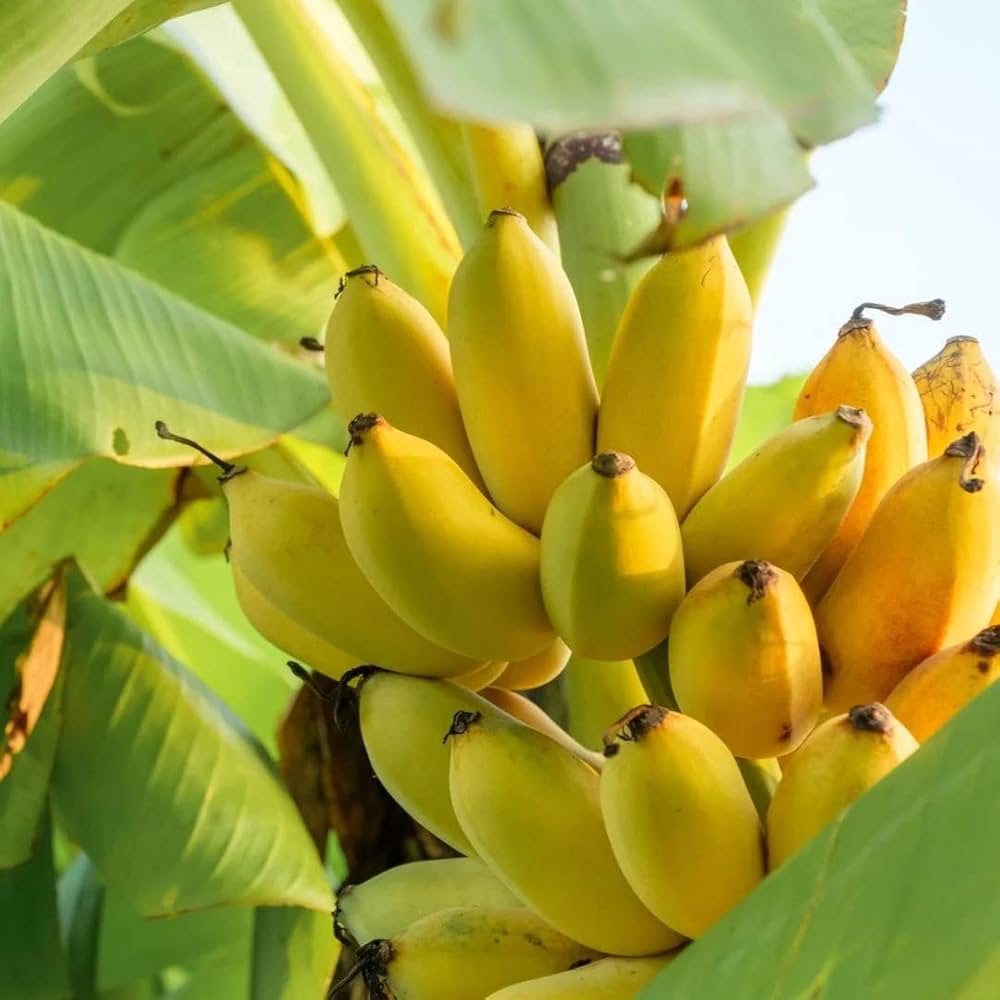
<point x="398" y="216"/>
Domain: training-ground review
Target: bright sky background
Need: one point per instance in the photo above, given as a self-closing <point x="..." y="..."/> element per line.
<point x="904" y="210"/>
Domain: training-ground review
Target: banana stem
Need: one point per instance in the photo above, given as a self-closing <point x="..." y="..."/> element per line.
<point x="932" y="309"/>
<point x="311" y="344"/>
<point x="228" y="468"/>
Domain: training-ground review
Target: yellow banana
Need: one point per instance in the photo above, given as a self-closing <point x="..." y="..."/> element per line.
<point x="920" y="578"/>
<point x="524" y="382"/>
<point x="995" y="620"/>
<point x="859" y="370"/>
<point x="384" y="906"/>
<point x="482" y="677"/>
<point x="839" y="761"/>
<point x="436" y="550"/>
<point x="596" y="693"/>
<point x="555" y="855"/>
<point x="612" y="567"/>
<point x="935" y="690"/>
<point x="385" y="352"/>
<point x="744" y="658"/>
<point x="681" y="821"/>
<point x="536" y="670"/>
<point x="288" y="543"/>
<point x="785" y="501"/>
<point x="678" y="369"/>
<point x="464" y="952"/>
<point x="605" y="979"/>
<point x="960" y="393"/>
<point x="509" y="172"/>
<point x="285" y="632"/>
<point x="526" y="711"/>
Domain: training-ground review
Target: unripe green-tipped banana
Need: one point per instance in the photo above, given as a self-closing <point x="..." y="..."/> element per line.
<point x="744" y="658"/>
<point x="604" y="979"/>
<point x="524" y="383"/>
<point x="436" y="550"/>
<point x="555" y="854"/>
<point x="681" y="821"/>
<point x="597" y="692"/>
<point x="384" y="906"/>
<point x="612" y="566"/>
<point x="838" y="762"/>
<point x="678" y="369"/>
<point x="784" y="502"/>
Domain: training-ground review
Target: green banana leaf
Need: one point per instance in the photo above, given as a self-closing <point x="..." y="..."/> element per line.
<point x="766" y="410"/>
<point x="148" y="355"/>
<point x="135" y="154"/>
<point x="176" y="806"/>
<point x="896" y="898"/>
<point x="140" y="16"/>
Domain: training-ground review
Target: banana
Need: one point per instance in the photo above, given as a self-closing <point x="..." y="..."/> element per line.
<point x="681" y="821"/>
<point x="612" y="567"/>
<point x="960" y="393"/>
<point x="935" y="690"/>
<point x="463" y="953"/>
<point x="596" y="692"/>
<point x="436" y="550"/>
<point x="995" y="619"/>
<point x="785" y="501"/>
<point x="860" y="371"/>
<point x="482" y="677"/>
<point x="605" y="979"/>
<point x="384" y="906"/>
<point x="841" y="759"/>
<point x="524" y="382"/>
<point x="285" y="632"/>
<point x="920" y="579"/>
<point x="744" y="658"/>
<point x="678" y="369"/>
<point x="509" y="171"/>
<point x="526" y="711"/>
<point x="536" y="670"/>
<point x="288" y="543"/>
<point x="761" y="778"/>
<point x="385" y="352"/>
<point x="554" y="855"/>
<point x="754" y="247"/>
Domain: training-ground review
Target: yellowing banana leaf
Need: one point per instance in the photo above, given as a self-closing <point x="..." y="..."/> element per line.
<point x="162" y="788"/>
<point x="140" y="16"/>
<point x="896" y="898"/>
<point x="91" y="354"/>
<point x="133" y="153"/>
<point x="39" y="36"/>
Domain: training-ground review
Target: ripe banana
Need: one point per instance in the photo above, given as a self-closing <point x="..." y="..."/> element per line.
<point x="785" y="501"/>
<point x="526" y="711"/>
<point x="385" y="352"/>
<point x="859" y="370"/>
<point x="524" y="382"/>
<point x="681" y="821"/>
<point x="524" y="675"/>
<point x="920" y="578"/>
<point x="288" y="543"/>
<point x="937" y="689"/>
<point x="480" y="678"/>
<point x="960" y="393"/>
<point x="597" y="692"/>
<point x="678" y="369"/>
<point x="839" y="761"/>
<point x="612" y="567"/>
<point x="384" y="906"/>
<point x="509" y="172"/>
<point x="995" y="620"/>
<point x="464" y="952"/>
<point x="436" y="550"/>
<point x="744" y="658"/>
<point x="605" y="979"/>
<point x="554" y="853"/>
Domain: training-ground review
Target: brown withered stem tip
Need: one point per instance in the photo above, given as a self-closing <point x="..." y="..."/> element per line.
<point x="612" y="464"/>
<point x="633" y="726"/>
<point x="372" y="963"/>
<point x="497" y="212"/>
<point x="970" y="447"/>
<point x="311" y="344"/>
<point x="229" y="471"/>
<point x="369" y="272"/>
<point x="873" y="718"/>
<point x="854" y="416"/>
<point x="758" y="575"/>
<point x="932" y="309"/>
<point x="462" y="722"/>
<point x="962" y="338"/>
<point x="986" y="643"/>
<point x="570" y="151"/>
<point x="360" y="425"/>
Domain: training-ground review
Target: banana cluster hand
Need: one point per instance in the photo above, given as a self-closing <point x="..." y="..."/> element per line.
<point x="813" y="612"/>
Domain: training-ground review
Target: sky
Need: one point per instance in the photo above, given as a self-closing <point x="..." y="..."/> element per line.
<point x="904" y="210"/>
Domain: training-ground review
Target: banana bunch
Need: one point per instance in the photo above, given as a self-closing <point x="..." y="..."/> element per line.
<point x="815" y="611"/>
